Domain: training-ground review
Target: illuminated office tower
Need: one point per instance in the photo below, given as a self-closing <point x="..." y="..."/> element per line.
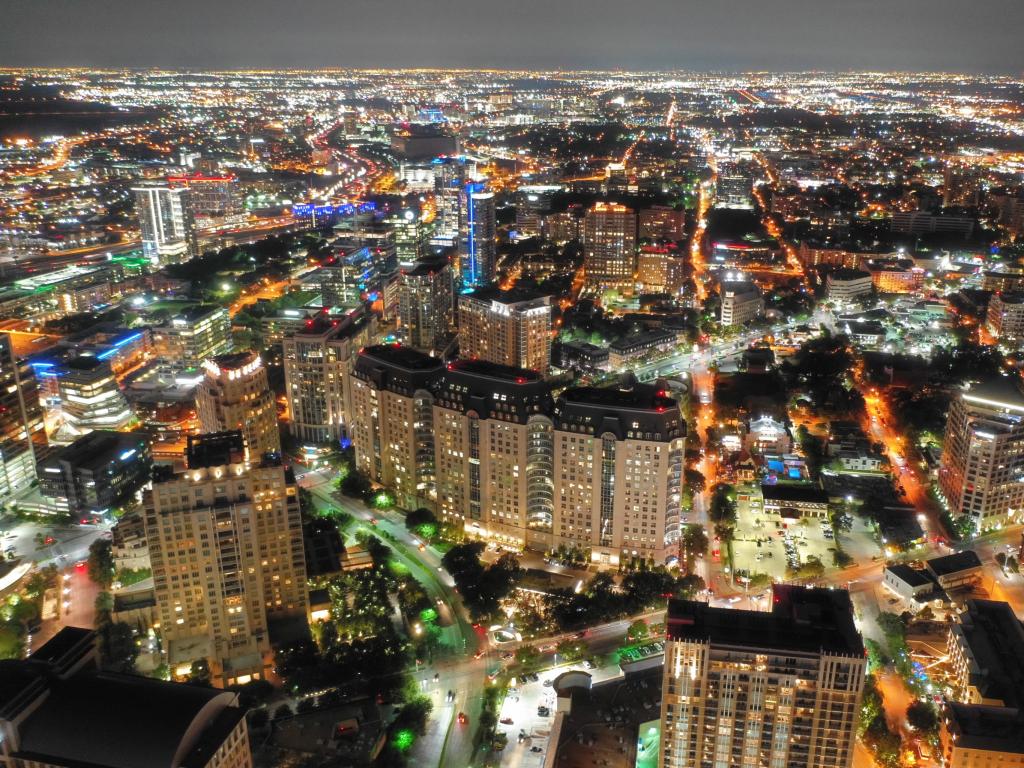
<point x="225" y="543"/>
<point x="317" y="359"/>
<point x="762" y="688"/>
<point x="22" y="434"/>
<point x="90" y="397"/>
<point x="981" y="474"/>
<point x="214" y="198"/>
<point x="477" y="247"/>
<point x="425" y="304"/>
<point x="392" y="420"/>
<point x="618" y="464"/>
<point x="510" y="328"/>
<point x="609" y="245"/>
<point x="492" y="451"/>
<point x="450" y="177"/>
<point x="194" y="335"/>
<point x="167" y="222"/>
<point x="411" y="234"/>
<point x="235" y="394"/>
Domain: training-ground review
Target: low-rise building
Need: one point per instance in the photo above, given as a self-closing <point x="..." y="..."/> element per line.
<point x="637" y="345"/>
<point x="909" y="583"/>
<point x="741" y="302"/>
<point x="956" y="570"/>
<point x="794" y="501"/>
<point x="96" y="472"/>
<point x="845" y="285"/>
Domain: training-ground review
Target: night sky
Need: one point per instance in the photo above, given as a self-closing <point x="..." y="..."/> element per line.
<point x="778" y="35"/>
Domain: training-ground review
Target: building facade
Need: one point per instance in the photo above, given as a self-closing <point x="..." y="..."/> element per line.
<point x="982" y="462"/>
<point x="194" y="335"/>
<point x="753" y="688"/>
<point x="167" y="222"/>
<point x="225" y="543"/>
<point x="317" y="359"/>
<point x="22" y="432"/>
<point x="478" y="257"/>
<point x="235" y="394"/>
<point x="609" y="245"/>
<point x="426" y="304"/>
<point x="741" y="302"/>
<point x="511" y="328"/>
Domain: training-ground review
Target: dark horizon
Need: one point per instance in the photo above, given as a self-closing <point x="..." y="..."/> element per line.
<point x="732" y="36"/>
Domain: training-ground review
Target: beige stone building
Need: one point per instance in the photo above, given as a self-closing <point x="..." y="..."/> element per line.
<point x="609" y="245"/>
<point x="762" y="689"/>
<point x="510" y="328"/>
<point x="235" y="394"/>
<point x="225" y="544"/>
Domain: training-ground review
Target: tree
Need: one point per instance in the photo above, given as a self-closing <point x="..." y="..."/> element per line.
<point x="282" y="711"/>
<point x="638" y="631"/>
<point x="258" y="719"/>
<point x="117" y="647"/>
<point x="1001" y="560"/>
<point x="101" y="563"/>
<point x="199" y="674"/>
<point x="526" y="655"/>
<point x="694" y="543"/>
<point x="104" y="607"/>
<point x="922" y="717"/>
<point x="570" y="650"/>
<point x="695" y="481"/>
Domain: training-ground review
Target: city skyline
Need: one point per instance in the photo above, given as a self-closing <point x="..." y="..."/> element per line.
<point x="655" y="35"/>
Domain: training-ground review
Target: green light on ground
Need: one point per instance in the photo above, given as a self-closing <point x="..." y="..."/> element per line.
<point x="382" y="500"/>
<point x="404" y="739"/>
<point x="427" y="615"/>
<point x="648" y="744"/>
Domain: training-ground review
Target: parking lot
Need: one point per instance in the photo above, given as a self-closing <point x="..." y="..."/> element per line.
<point x="775" y="546"/>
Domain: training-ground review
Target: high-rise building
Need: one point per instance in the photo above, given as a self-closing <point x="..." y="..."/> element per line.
<point x="1005" y="319"/>
<point x="450" y="177"/>
<point x="981" y="474"/>
<point x="235" y="394"/>
<point x="961" y="185"/>
<point x="532" y="202"/>
<point x="752" y="688"/>
<point x="96" y="472"/>
<point x="194" y="335"/>
<point x="656" y="269"/>
<point x="392" y="420"/>
<point x="344" y="283"/>
<point x="317" y="359"/>
<point x="214" y="198"/>
<point x="90" y="397"/>
<point x="609" y="245"/>
<point x="225" y="543"/>
<point x="492" y="443"/>
<point x="167" y="221"/>
<point x="22" y="434"/>
<point x="58" y="709"/>
<point x="426" y="304"/>
<point x="741" y="302"/>
<point x="982" y="723"/>
<point x="510" y="327"/>
<point x="618" y="460"/>
<point x="411" y="235"/>
<point x="478" y="258"/>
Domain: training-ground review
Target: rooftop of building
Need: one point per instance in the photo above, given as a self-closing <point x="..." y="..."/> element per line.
<point x="991" y="729"/>
<point x="639" y="397"/>
<point x="909" y="576"/>
<point x="96" y="448"/>
<point x="801" y="620"/>
<point x="843" y="273"/>
<point x="427" y="266"/>
<point x="119" y="721"/>
<point x="996" y="640"/>
<point x="955" y="563"/>
<point x="196" y="312"/>
<point x="514" y="295"/>
<point x="505" y="373"/>
<point x="808" y="494"/>
<point x="400" y="356"/>
<point x="234" y="360"/>
<point x="1009" y="297"/>
<point x="998" y="392"/>
<point x="215" y="449"/>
